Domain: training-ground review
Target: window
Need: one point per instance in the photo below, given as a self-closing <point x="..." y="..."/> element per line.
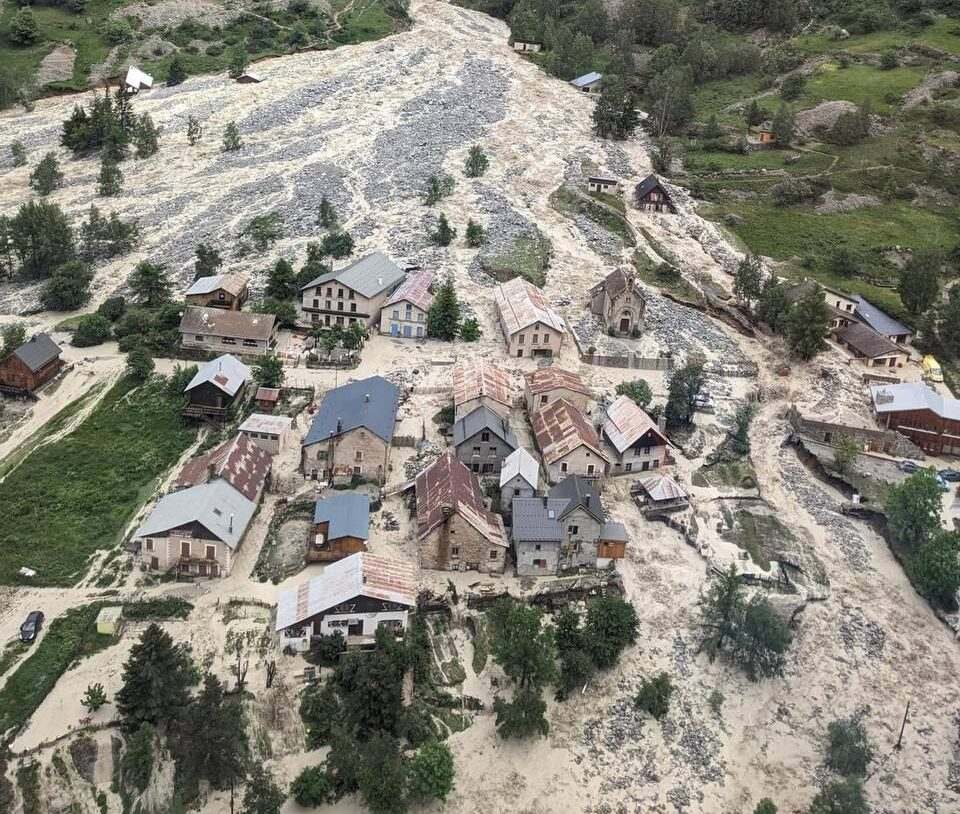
<point x="546" y="339"/>
<point x="351" y="295"/>
<point x="409" y="312"/>
<point x="543" y="399"/>
<point x="476" y="450"/>
<point x="520" y="339"/>
<point x="646" y="450"/>
<point x="455" y="551"/>
<point x="316" y="303"/>
<point x="228" y="340"/>
<point x="329" y="291"/>
<point x="211" y="552"/>
<point x="326" y="319"/>
<point x="484" y="436"/>
<point x="520" y="353"/>
<point x="420" y="317"/>
<point x="339" y="320"/>
<point x="339" y="306"/>
<point x="185" y="548"/>
<point x="249" y="343"/>
<point x="221" y="296"/>
<point x="396" y="314"/>
<point x="148" y="544"/>
<point x="590" y="469"/>
<point x="539" y="563"/>
<point x="352" y="320"/>
<point x="358" y="456"/>
<point x="494" y="553"/>
<point x="493" y="450"/>
<point x="656" y="462"/>
<point x="326" y="304"/>
<point x="340" y="293"/>
<point x="537" y="547"/>
<point x="573" y="529"/>
<point x="419" y="331"/>
<point x="314" y="317"/>
<point x="563" y="467"/>
<point x="198" y="338"/>
<point x="358" y="470"/>
<point x="628" y="467"/>
<point x="353" y="307"/>
<point x="536" y="339"/>
<point x="321" y="455"/>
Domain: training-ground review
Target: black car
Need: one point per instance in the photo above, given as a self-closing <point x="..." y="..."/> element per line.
<point x="30" y="629"/>
<point x="949" y="474"/>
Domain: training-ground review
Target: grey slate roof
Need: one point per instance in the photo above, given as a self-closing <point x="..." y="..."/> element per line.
<point x="214" y="505"/>
<point x="226" y="372"/>
<point x="614" y="532"/>
<point x="368" y="276"/>
<point x="536" y="519"/>
<point x="870" y="315"/>
<point x="37" y="351"/>
<point x="483" y="418"/>
<point x="347" y="514"/>
<point x="577" y="491"/>
<point x="370" y="403"/>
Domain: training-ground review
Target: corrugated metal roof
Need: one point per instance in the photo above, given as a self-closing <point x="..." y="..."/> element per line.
<point x="663" y="487"/>
<point x="138" y="79"/>
<point x="471" y="381"/>
<point x="37" y="351"/>
<point x="578" y="492"/>
<point x="239" y="462"/>
<point x="270" y="424"/>
<point x="536" y="519"/>
<point x="370" y="403"/>
<point x="879" y="321"/>
<point x="522" y="463"/>
<point x="348" y="515"/>
<point x="267" y="394"/>
<point x="627" y="423"/>
<point x="561" y="428"/>
<point x="226" y="372"/>
<point x="221" y="322"/>
<point x="232" y="283"/>
<point x="483" y="418"/>
<point x="359" y="574"/>
<point x="522" y="304"/>
<point x="415" y="290"/>
<point x="448" y="486"/>
<point x="216" y="506"/>
<point x="586" y="79"/>
<point x="545" y="379"/>
<point x="368" y="276"/>
<point x="895" y="398"/>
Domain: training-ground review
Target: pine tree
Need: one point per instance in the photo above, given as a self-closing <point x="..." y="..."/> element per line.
<point x="753" y="114"/>
<point x="327" y="216"/>
<point x="282" y="281"/>
<point x="146" y="136"/>
<point x="231" y="138"/>
<point x="748" y="280"/>
<point x="476" y="163"/>
<point x="155" y="680"/>
<point x="123" y="110"/>
<point x="475" y="234"/>
<point x="615" y="114"/>
<point x="24" y="29"/>
<point x="262" y="795"/>
<point x="194" y="131"/>
<point x="177" y="73"/>
<point x="783" y="126"/>
<point x="151" y="284"/>
<point x="110" y="182"/>
<point x="443" y="319"/>
<point x="808" y="324"/>
<point x="18" y="153"/>
<point x="444" y="234"/>
<point x="46" y="176"/>
<point x="208" y="261"/>
<point x="920" y="281"/>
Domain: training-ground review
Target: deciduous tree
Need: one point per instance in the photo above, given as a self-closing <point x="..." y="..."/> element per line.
<point x="523" y="717"/>
<point x="919" y="283"/>
<point x="42" y="237"/>
<point x="262" y="794"/>
<point x="338" y="244"/>
<point x="849" y="751"/>
<point x="140" y="363"/>
<point x="685" y="386"/>
<point x="431" y="772"/>
<point x="282" y="280"/>
<point x="637" y="390"/>
<point x="913" y="509"/>
<point x="615" y="114"/>
<point x="92" y="329"/>
<point x="783" y="126"/>
<point x="68" y="288"/>
<point x="46" y="176"/>
<point x="208" y="261"/>
<point x="654" y="695"/>
<point x="269" y="373"/>
<point x="523" y="645"/>
<point x="610" y="626"/>
<point x="762" y="640"/>
<point x="13" y="336"/>
<point x="935" y="569"/>
<point x="150" y="284"/>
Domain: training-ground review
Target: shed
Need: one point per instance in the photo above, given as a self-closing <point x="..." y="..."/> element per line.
<point x="603" y="183"/>
<point x="588" y="83"/>
<point x="249" y="78"/>
<point x="527" y="46"/>
<point x="267" y="398"/>
<point x="110" y="620"/>
<point x="136" y="80"/>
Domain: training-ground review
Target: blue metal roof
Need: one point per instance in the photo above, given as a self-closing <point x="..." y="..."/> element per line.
<point x="586" y="79"/>
<point x="369" y="403"/>
<point x="348" y="515"/>
<point x="879" y="321"/>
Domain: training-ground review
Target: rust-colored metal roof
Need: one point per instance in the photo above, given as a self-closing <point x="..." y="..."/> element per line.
<point x="545" y="379"/>
<point x="561" y="428"/>
<point x="447" y="486"/>
<point x="239" y="462"/>
<point x="220" y="322"/>
<point x="474" y="380"/>
<point x="627" y="423"/>
<point x="268" y="394"/>
<point x="415" y="290"/>
<point x="522" y="304"/>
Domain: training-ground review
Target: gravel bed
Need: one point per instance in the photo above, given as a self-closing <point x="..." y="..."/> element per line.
<point x="857" y="632"/>
<point x="598" y="238"/>
<point x="686" y="330"/>
<point x="291" y="108"/>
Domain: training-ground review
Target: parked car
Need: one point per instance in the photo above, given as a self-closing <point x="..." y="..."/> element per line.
<point x="949" y="474"/>
<point x="943" y="484"/>
<point x="908" y="466"/>
<point x="30" y="628"/>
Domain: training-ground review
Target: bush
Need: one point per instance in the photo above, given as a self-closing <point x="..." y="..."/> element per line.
<point x="841" y="797"/>
<point x="470" y="330"/>
<point x="935" y="570"/>
<point x="654" y="695"/>
<point x="793" y="87"/>
<point x="638" y="391"/>
<point x="140" y="363"/>
<point x="849" y="752"/>
<point x="117" y="30"/>
<point x="112" y="308"/>
<point x="68" y="288"/>
<point x="792" y="191"/>
<point x="92" y="329"/>
<point x="24" y="29"/>
<point x="889" y="61"/>
<point x="312" y="787"/>
<point x="94" y="697"/>
<point x="326" y="649"/>
<point x="431" y="772"/>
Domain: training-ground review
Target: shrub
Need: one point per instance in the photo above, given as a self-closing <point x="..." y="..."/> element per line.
<point x="92" y="329"/>
<point x="476" y="163"/>
<point x="654" y="695"/>
<point x="24" y="29"/>
<point x="140" y="363"/>
<point x="438" y="187"/>
<point x="46" y="176"/>
<point x="470" y="330"/>
<point x="117" y="30"/>
<point x="793" y="87"/>
<point x="312" y="787"/>
<point x="841" y="797"/>
<point x="94" y="697"/>
<point x="112" y="308"/>
<point x="889" y="61"/>
<point x="849" y="752"/>
<point x="431" y="772"/>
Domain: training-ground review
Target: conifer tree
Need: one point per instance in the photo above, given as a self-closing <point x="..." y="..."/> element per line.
<point x="443" y="319"/>
<point x="194" y="131"/>
<point x="177" y="73"/>
<point x="110" y="181"/>
<point x="808" y="324"/>
<point x="476" y="163"/>
<point x="282" y="282"/>
<point x="231" y="138"/>
<point x="238" y="62"/>
<point x="46" y="176"/>
<point x="155" y="680"/>
<point x="327" y="216"/>
<point x="444" y="234"/>
<point x="475" y="234"/>
<point x="146" y="136"/>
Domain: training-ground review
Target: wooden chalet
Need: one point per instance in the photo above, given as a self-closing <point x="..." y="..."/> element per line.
<point x="218" y="385"/>
<point x="341" y="527"/>
<point x="228" y="291"/>
<point x="928" y="419"/>
<point x="30" y="366"/>
<point x="652" y="196"/>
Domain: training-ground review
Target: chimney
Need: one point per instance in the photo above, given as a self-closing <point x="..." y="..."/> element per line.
<point x="446" y="509"/>
<point x="339" y="425"/>
<point x="379" y="280"/>
<point x="231" y="523"/>
<point x="586" y="500"/>
<point x="544" y="501"/>
<point x="211" y="471"/>
<point x="662" y="424"/>
<point x="366" y="397"/>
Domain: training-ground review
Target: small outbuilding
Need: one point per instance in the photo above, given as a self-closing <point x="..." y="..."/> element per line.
<point x="249" y="78"/>
<point x="588" y="83"/>
<point x="267" y="398"/>
<point x="228" y="291"/>
<point x="30" y="366"/>
<point x="603" y="183"/>
<point x="136" y="80"/>
<point x="662" y="493"/>
<point x="527" y="46"/>
<point x="110" y="620"/>
<point x="652" y="196"/>
<point x="341" y="527"/>
<point x="269" y="432"/>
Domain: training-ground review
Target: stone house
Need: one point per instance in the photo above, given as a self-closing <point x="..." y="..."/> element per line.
<point x="228" y="291"/>
<point x="238" y="461"/>
<point x="30" y="366"/>
<point x="568" y="443"/>
<point x="882" y="323"/>
<point x="620" y="302"/>
<point x="530" y="326"/>
<point x="355" y="596"/>
<point x="217" y="329"/>
<point x="547" y="384"/>
<point x="519" y="477"/>
<point x="483" y="440"/>
<point x="353" y="429"/>
<point x="480" y="384"/>
<point x="352" y="294"/>
<point x="455" y="530"/>
<point x="404" y="314"/>
<point x="634" y="440"/>
<point x="269" y="432"/>
<point x="217" y="386"/>
<point x="341" y="527"/>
